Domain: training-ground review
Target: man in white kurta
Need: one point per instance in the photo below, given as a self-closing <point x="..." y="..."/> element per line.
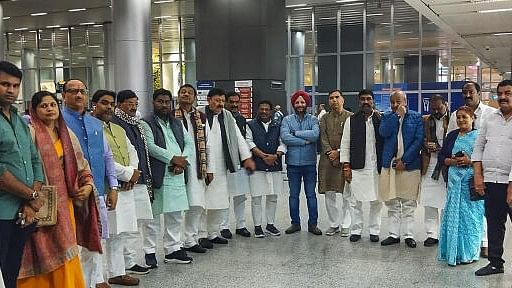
<point x="472" y="94"/>
<point x="238" y="182"/>
<point x="433" y="185"/>
<point x="122" y="220"/>
<point x="363" y="180"/>
<point x="267" y="149"/>
<point x="194" y="122"/>
<point x="227" y="148"/>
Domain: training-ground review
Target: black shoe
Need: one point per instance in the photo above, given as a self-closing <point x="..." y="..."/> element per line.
<point x="196" y="249"/>
<point x="205" y="243"/>
<point x="429" y="242"/>
<point x="489" y="270"/>
<point x="314" y="229"/>
<point x="410" y="242"/>
<point x="243" y="232"/>
<point x="219" y="240"/>
<point x="390" y="241"/>
<point x="374" y="238"/>
<point x="151" y="261"/>
<point x="137" y="269"/>
<point x="225" y="233"/>
<point x="258" y="232"/>
<point x="179" y="257"/>
<point x="292" y="229"/>
<point x="272" y="230"/>
<point x="355" y="238"/>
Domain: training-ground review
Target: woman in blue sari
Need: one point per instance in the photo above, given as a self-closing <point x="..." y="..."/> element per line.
<point x="462" y="221"/>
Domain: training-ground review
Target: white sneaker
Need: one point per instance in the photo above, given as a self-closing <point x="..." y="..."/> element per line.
<point x="345" y="232"/>
<point x="332" y="230"/>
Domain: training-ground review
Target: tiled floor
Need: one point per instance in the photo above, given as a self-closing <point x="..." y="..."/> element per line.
<point x="306" y="260"/>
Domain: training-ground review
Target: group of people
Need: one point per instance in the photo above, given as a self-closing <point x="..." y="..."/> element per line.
<point x="117" y="174"/>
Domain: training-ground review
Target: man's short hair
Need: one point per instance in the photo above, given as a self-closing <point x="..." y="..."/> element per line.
<point x="188" y="86"/>
<point x="365" y="92"/>
<point x="437" y="97"/>
<point x="64" y="87"/>
<point x="265" y="102"/>
<point x="477" y="86"/>
<point x="216" y="91"/>
<point x="335" y="90"/>
<point x="124" y="95"/>
<point x="10" y="69"/>
<point x="100" y="93"/>
<point x="504" y="83"/>
<point x="161" y="91"/>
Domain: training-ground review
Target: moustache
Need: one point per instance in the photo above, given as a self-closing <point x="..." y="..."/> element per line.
<point x="503" y="101"/>
<point x="468" y="98"/>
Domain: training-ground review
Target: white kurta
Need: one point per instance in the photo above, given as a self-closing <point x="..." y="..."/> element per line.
<point x="124" y="217"/>
<point x="433" y="192"/>
<point x="365" y="182"/>
<point x="262" y="182"/>
<point x="238" y="182"/>
<point x="196" y="188"/>
<point x="217" y="195"/>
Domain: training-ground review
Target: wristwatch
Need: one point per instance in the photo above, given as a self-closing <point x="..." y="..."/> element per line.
<point x="35" y="195"/>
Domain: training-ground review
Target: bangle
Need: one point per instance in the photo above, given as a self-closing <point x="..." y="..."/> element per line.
<point x="34" y="195"/>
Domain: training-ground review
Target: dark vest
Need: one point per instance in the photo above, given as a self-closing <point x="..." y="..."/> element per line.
<point x="225" y="149"/>
<point x="158" y="167"/>
<point x="240" y="122"/>
<point x="358" y="140"/>
<point x="135" y="137"/>
<point x="267" y="142"/>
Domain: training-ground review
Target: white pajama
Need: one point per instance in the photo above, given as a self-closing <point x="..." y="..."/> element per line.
<point x="172" y="233"/>
<point x="257" y="209"/>
<point x="374" y="219"/>
<point x="336" y="216"/>
<point x="239" y="208"/>
<point x="115" y="254"/>
<point x="191" y="227"/>
<point x="92" y="267"/>
<point x="432" y="222"/>
<point x="213" y="221"/>
<point x="133" y="244"/>
<point x="401" y="215"/>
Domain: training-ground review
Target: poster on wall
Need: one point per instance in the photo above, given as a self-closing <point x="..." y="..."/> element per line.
<point x="203" y="87"/>
<point x="245" y="90"/>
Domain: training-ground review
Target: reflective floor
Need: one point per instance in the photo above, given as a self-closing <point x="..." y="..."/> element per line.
<point x="306" y="260"/>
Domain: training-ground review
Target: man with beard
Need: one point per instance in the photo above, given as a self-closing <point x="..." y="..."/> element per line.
<point x="300" y="132"/>
<point x="228" y="150"/>
<point x="194" y="122"/>
<point x="169" y="148"/>
<point x="471" y="93"/>
<point x="89" y="131"/>
<point x="435" y="174"/>
<point x="125" y="116"/>
<point x="361" y="156"/>
<point x="402" y="133"/>
<point x="330" y="176"/>
<point x="123" y="219"/>
<point x="267" y="150"/>
<point x="238" y="182"/>
<point x="492" y="163"/>
<point x="21" y="177"/>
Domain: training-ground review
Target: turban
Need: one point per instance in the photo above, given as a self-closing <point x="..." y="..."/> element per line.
<point x="302" y="94"/>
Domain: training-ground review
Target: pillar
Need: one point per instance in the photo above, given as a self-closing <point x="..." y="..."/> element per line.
<point x="30" y="78"/>
<point x="131" y="41"/>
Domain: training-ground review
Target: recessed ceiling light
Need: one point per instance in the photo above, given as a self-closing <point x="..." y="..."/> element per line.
<point x="77" y="9"/>
<point x="38" y="14"/>
<point x="21" y="29"/>
<point x="53" y="26"/>
<point x="6" y="18"/>
<point x="296" y="5"/>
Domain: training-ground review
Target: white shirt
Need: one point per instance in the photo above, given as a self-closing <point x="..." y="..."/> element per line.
<point x="482" y="111"/>
<point x="494" y="148"/>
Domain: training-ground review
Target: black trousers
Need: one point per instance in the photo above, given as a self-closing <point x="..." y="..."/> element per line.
<point x="12" y="242"/>
<point x="496" y="212"/>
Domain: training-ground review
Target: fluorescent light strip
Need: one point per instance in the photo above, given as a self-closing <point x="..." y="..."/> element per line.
<point x="53" y="26"/>
<point x="374" y="14"/>
<point x="163" y="1"/>
<point x="494" y="10"/>
<point x="303" y="8"/>
<point x="502" y="34"/>
<point x="6" y="18"/>
<point x="162" y="17"/>
<point x="21" y="29"/>
<point x="38" y="14"/>
<point x="296" y="5"/>
<point x="87" y="23"/>
<point x="77" y="9"/>
<point x="353" y="4"/>
<point x="346" y="1"/>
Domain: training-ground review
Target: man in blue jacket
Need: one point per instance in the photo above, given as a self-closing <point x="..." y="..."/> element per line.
<point x="402" y="133"/>
<point x="299" y="132"/>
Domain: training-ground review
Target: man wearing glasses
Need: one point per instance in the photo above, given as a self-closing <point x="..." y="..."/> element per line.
<point x="89" y="131"/>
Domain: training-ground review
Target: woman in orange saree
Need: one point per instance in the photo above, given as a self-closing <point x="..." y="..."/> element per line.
<point x="50" y="257"/>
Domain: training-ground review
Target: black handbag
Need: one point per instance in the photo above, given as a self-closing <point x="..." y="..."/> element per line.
<point x="473" y="195"/>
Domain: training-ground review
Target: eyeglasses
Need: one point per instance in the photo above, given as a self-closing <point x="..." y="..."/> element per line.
<point x="75" y="91"/>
